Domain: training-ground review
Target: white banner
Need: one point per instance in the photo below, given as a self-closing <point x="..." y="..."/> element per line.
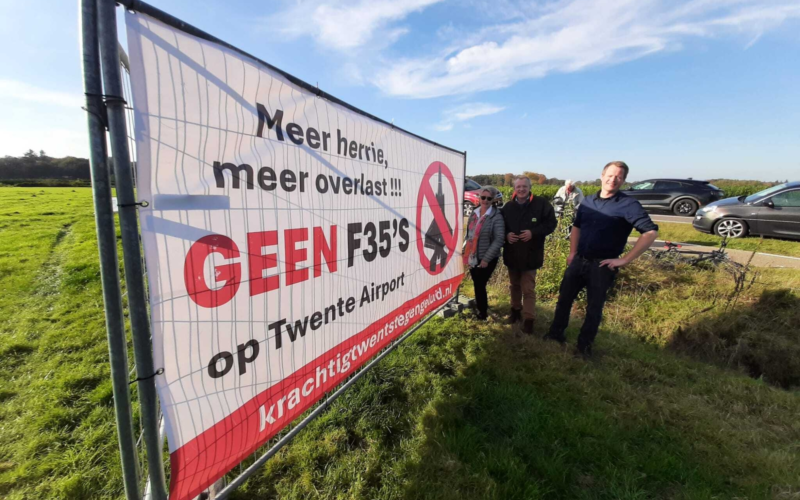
<point x="287" y="239"/>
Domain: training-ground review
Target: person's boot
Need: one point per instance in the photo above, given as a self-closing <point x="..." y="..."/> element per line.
<point x="516" y="315"/>
<point x="527" y="326"/>
<point x="561" y="340"/>
<point x="584" y="351"/>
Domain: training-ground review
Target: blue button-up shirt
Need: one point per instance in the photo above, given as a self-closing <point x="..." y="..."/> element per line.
<point x="606" y="223"/>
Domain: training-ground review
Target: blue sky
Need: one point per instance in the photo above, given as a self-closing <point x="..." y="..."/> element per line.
<point x="698" y="88"/>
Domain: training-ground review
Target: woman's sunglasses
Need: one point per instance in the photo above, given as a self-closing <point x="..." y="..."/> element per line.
<point x="486" y="198"/>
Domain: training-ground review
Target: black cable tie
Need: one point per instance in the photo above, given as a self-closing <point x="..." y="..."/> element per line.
<point x="107" y="98"/>
<point x="160" y="371"/>
<point x="98" y="115"/>
<point x="132" y="7"/>
<point x="142" y="204"/>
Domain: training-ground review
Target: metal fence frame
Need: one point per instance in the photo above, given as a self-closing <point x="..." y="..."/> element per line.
<point x="107" y="102"/>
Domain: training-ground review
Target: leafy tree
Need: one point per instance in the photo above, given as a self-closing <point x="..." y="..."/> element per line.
<point x="31" y="166"/>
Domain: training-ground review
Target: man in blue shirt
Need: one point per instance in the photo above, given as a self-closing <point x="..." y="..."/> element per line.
<point x="599" y="234"/>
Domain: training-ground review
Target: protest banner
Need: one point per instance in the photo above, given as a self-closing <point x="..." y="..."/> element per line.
<point x="288" y="238"/>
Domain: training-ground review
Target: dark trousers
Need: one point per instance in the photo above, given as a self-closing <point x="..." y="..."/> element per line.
<point x="480" y="276"/>
<point x="597" y="280"/>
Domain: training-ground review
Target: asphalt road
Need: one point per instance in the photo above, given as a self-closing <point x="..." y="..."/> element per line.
<point x="675" y="219"/>
<point x="740" y="256"/>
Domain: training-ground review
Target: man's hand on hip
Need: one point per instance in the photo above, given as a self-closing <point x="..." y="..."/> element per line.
<point x="614" y="264"/>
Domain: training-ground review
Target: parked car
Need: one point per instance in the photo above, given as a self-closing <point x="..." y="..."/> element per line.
<point x="472" y="194"/>
<point x="681" y="196"/>
<point x="772" y="212"/>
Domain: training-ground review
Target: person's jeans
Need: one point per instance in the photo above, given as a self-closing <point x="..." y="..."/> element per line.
<point x="523" y="292"/>
<point x="597" y="280"/>
<point x="480" y="277"/>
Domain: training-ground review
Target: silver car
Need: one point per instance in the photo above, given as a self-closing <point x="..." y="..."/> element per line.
<point x="772" y="212"/>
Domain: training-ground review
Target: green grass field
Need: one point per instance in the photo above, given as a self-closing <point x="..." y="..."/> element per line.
<point x="57" y="438"/>
<point x="685" y="233"/>
<point x="684" y="399"/>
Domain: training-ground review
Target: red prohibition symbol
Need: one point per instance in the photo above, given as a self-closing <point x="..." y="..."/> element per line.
<point x="441" y="236"/>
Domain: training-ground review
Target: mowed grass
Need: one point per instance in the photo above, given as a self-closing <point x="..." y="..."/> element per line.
<point x="57" y="437"/>
<point x="685" y="233"/>
<point x="463" y="409"/>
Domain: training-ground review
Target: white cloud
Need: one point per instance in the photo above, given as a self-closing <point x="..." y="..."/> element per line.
<point x="21" y="91"/>
<point x="35" y="118"/>
<point x="573" y="35"/>
<point x="336" y="25"/>
<point x="444" y="126"/>
<point x="56" y="142"/>
<point x="465" y="112"/>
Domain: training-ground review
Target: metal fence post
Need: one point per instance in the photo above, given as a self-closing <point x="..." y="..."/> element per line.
<point x="460" y="202"/>
<point x="134" y="276"/>
<point x="107" y="246"/>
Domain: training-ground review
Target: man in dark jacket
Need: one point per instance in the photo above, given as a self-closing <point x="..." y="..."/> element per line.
<point x="528" y="220"/>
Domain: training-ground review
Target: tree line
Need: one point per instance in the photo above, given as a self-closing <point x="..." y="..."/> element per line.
<point x="502" y="180"/>
<point x="32" y="166"/>
<point x="34" y="169"/>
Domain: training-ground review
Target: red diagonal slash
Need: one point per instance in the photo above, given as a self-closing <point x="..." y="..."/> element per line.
<point x="438" y="216"/>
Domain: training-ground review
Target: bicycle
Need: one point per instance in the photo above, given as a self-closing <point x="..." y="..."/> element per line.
<point x="716" y="257"/>
<point x="695" y="258"/>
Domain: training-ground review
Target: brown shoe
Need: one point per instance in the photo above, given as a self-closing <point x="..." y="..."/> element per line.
<point x="516" y="315"/>
<point x="527" y="326"/>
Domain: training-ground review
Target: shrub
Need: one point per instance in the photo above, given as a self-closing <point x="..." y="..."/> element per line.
<point x="545" y="191"/>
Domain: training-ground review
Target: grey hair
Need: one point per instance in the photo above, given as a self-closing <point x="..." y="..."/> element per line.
<point x="523" y="178"/>
<point x="492" y="190"/>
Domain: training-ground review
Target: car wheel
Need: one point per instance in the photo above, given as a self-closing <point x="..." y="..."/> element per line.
<point x="468" y="209"/>
<point x="731" y="228"/>
<point x="686" y="208"/>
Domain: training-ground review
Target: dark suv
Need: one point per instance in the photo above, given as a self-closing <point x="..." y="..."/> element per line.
<point x="681" y="196"/>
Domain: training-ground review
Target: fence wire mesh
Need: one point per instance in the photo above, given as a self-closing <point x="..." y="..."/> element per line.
<point x="216" y="122"/>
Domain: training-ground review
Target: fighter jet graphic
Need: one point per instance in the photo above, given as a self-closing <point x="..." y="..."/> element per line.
<point x="434" y="238"/>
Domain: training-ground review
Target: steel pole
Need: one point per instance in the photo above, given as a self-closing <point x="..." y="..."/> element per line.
<point x="464" y="230"/>
<point x="132" y="255"/>
<point x="107" y="246"/>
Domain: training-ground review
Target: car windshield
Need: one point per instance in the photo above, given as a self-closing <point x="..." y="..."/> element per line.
<point x="761" y="194"/>
<point x="713" y="186"/>
<point x="471" y="185"/>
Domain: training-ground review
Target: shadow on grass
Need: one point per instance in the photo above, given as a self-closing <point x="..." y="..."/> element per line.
<point x="476" y="410"/>
<point x="760" y="338"/>
<point x="527" y="420"/>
